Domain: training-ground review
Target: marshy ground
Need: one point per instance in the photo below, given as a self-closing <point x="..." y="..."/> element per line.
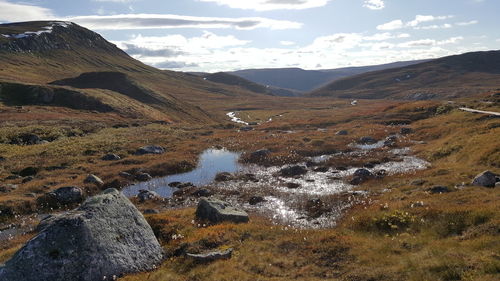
<point x="392" y="229"/>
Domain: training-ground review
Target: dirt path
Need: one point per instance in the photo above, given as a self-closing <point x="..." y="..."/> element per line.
<point x="480" y="111"/>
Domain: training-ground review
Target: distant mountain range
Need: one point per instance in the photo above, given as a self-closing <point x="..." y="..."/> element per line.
<point x="447" y="77"/>
<point x="297" y="79"/>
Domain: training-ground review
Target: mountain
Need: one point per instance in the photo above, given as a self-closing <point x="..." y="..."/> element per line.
<point x="448" y="77"/>
<point x="298" y="79"/>
<point x="63" y="64"/>
<point x="234" y="80"/>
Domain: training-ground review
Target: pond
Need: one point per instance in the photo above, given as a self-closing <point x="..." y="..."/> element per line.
<point x="212" y="162"/>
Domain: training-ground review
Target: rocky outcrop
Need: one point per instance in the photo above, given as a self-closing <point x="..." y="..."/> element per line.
<point x="486" y="179"/>
<point x="217" y="211"/>
<point x="107" y="236"/>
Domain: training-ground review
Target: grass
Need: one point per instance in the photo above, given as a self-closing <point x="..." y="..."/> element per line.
<point x="452" y="236"/>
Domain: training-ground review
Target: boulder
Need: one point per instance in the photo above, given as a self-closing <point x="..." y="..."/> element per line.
<point x="93" y="179"/>
<point x="211" y="256"/>
<point x="105" y="238"/>
<point x="292" y="185"/>
<point x="224" y="176"/>
<point x="246" y="129"/>
<point x="342" y="133"/>
<point x="391" y="141"/>
<point x="126" y="175"/>
<point x="147" y="195"/>
<point x="293" y="171"/>
<point x="28" y="179"/>
<point x="111" y="157"/>
<point x="67" y="195"/>
<point x="202" y="192"/>
<point x="217" y="211"/>
<point x="322" y="169"/>
<point x="486" y="179"/>
<point x="150" y="149"/>
<point x="30" y="139"/>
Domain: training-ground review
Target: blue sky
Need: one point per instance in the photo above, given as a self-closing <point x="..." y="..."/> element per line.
<point x="221" y="35"/>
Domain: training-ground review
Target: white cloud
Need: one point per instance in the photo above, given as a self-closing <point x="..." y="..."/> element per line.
<point x="374" y="4"/>
<point x="287" y="43"/>
<point x="151" y="21"/>
<point x="10" y="12"/>
<point x="268" y="5"/>
<point x="472" y="22"/>
<point x="423" y="18"/>
<point x="392" y="25"/>
<point x="430" y="42"/>
<point x="434" y="26"/>
<point x="116" y="1"/>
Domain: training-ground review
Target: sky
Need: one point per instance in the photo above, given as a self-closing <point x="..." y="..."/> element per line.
<point x="225" y="35"/>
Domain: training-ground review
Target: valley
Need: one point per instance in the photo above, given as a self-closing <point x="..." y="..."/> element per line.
<point x="379" y="189"/>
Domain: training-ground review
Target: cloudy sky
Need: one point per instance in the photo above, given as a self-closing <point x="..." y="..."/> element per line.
<point x="221" y="35"/>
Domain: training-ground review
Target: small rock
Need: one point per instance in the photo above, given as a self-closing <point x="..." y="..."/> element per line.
<point x="111" y="157"/>
<point x="8" y="188"/>
<point x="254" y="200"/>
<point x="438" y="189"/>
<point x="391" y="141"/>
<point x="2" y="159"/>
<point x="342" y="133"/>
<point x="224" y="176"/>
<point x="250" y="177"/>
<point x="13" y="177"/>
<point x="185" y="184"/>
<point x="30" y="195"/>
<point x="406" y="131"/>
<point x="293" y="171"/>
<point x="150" y="212"/>
<point x="202" y="192"/>
<point x="380" y="174"/>
<point x="418" y="182"/>
<point x="258" y="156"/>
<point x="143" y="177"/>
<point x="150" y="149"/>
<point x="321" y="169"/>
<point x="175" y="184"/>
<point x="28" y="179"/>
<point x="126" y="175"/>
<point x="486" y="179"/>
<point x="360" y="176"/>
<point x="246" y="129"/>
<point x="292" y="185"/>
<point x="93" y="179"/>
<point x="217" y="211"/>
<point x="147" y="195"/>
<point x="67" y="195"/>
<point x="29" y="171"/>
<point x="367" y="140"/>
<point x="211" y="256"/>
<point x="30" y="139"/>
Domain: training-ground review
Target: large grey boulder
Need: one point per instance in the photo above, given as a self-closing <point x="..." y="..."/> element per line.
<point x="486" y="179"/>
<point x="107" y="236"/>
<point x="217" y="211"/>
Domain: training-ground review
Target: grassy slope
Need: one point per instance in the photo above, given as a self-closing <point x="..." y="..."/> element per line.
<point x="448" y="77"/>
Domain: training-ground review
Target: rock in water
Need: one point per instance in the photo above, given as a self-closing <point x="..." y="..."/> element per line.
<point x="486" y="179"/>
<point x="217" y="211"/>
<point x="106" y="236"/>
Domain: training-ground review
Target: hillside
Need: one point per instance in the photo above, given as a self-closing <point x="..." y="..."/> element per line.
<point x="306" y="80"/>
<point x="35" y="54"/>
<point x="448" y="77"/>
<point x="234" y="80"/>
